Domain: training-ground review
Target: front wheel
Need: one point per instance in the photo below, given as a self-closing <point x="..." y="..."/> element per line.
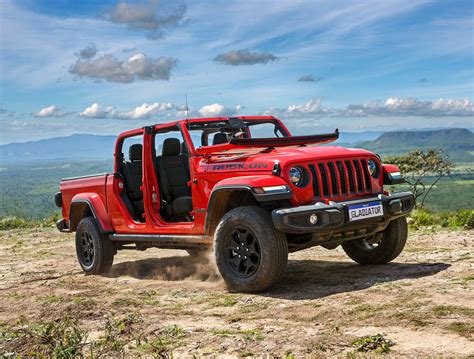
<point x="251" y="254"/>
<point x="95" y="252"/>
<point x="386" y="249"/>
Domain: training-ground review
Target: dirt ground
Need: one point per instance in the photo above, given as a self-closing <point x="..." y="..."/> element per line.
<point x="161" y="301"/>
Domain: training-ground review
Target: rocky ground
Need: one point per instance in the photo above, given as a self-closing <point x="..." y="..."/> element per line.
<point x="159" y="302"/>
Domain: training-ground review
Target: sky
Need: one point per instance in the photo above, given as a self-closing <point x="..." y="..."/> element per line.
<point x="103" y="67"/>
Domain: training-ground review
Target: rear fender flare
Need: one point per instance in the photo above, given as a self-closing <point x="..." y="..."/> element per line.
<point x="85" y="204"/>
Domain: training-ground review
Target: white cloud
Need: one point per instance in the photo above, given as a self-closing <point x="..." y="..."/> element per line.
<point x="143" y="111"/>
<point x="310" y="78"/>
<point x="393" y="106"/>
<point x="50" y="111"/>
<point x="97" y="111"/>
<point x="148" y="16"/>
<point x="310" y="108"/>
<point x="244" y="57"/>
<point x="217" y="109"/>
<point x="88" y="52"/>
<point x="410" y="106"/>
<point x="137" y="66"/>
<point x="146" y="110"/>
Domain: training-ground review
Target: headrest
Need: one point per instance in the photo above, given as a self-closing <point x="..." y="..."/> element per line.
<point x="171" y="147"/>
<point x="219" y="138"/>
<point x="184" y="148"/>
<point x="135" y="152"/>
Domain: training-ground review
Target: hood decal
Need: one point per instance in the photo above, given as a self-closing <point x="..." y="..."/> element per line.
<point x="237" y="166"/>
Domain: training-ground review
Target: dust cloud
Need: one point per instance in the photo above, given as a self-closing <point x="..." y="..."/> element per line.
<point x="175" y="268"/>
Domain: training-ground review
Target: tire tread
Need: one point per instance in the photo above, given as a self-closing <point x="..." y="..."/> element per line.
<point x="278" y="249"/>
<point x="104" y="257"/>
<point x="395" y="237"/>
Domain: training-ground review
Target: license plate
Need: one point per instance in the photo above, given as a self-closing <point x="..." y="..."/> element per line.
<point x="365" y="210"/>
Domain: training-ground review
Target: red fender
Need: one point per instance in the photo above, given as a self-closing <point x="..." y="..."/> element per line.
<point x="390" y="168"/>
<point x="82" y="203"/>
<point x="392" y="174"/>
<point x="250" y="182"/>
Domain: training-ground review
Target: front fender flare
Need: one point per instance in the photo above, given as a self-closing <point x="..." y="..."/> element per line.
<point x="218" y="200"/>
<point x="83" y="204"/>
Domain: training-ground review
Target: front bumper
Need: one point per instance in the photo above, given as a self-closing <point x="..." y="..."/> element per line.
<point x="335" y="216"/>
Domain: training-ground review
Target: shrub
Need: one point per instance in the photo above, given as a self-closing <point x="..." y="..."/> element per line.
<point x="462" y="219"/>
<point x="376" y="342"/>
<point x="61" y="338"/>
<point x="423" y="218"/>
<point x="12" y="222"/>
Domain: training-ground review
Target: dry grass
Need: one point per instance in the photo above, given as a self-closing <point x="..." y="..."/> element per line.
<point x="162" y="302"/>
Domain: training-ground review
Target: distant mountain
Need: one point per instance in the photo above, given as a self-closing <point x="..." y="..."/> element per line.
<point x="75" y="147"/>
<point x="78" y="148"/>
<point x="353" y="137"/>
<point x="458" y="143"/>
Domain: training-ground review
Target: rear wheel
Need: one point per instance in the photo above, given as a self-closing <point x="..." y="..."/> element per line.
<point x="381" y="251"/>
<point x="95" y="251"/>
<point x="251" y="254"/>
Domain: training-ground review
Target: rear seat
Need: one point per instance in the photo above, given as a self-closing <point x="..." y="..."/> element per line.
<point x="132" y="171"/>
<point x="173" y="175"/>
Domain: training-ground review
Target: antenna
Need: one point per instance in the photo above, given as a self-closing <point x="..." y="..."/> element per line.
<point x="187" y="108"/>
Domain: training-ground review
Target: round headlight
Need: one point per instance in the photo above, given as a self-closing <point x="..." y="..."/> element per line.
<point x="296" y="176"/>
<point x="372" y="167"/>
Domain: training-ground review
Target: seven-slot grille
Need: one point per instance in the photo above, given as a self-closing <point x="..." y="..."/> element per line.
<point x="340" y="178"/>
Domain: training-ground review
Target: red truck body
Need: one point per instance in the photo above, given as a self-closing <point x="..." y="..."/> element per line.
<point x="238" y="169"/>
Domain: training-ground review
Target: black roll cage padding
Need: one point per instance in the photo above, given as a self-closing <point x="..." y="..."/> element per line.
<point x="207" y="128"/>
<point x="286" y="141"/>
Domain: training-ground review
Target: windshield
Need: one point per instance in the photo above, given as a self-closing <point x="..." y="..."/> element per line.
<point x="218" y="132"/>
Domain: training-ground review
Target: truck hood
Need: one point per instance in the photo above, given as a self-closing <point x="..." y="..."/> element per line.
<point x="258" y="159"/>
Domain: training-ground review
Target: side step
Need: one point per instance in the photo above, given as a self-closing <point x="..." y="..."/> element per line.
<point x="170" y="241"/>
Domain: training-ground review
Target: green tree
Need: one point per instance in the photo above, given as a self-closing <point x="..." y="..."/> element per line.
<point x="417" y="165"/>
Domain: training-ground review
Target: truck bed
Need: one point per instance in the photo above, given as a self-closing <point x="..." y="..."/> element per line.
<point x="69" y="187"/>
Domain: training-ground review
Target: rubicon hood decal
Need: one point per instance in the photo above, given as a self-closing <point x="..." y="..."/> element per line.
<point x="236" y="166"/>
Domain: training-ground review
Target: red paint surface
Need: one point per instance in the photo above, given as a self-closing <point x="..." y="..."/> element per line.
<point x="232" y="165"/>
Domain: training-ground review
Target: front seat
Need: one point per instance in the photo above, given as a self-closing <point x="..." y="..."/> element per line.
<point x="132" y="171"/>
<point x="173" y="169"/>
<point x="219" y="138"/>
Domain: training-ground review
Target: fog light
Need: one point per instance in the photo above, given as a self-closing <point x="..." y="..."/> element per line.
<point x="313" y="219"/>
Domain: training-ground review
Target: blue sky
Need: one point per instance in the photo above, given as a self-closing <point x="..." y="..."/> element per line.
<point x="103" y="67"/>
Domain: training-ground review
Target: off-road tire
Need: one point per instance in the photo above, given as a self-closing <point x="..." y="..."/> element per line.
<point x="102" y="256"/>
<point x="271" y="244"/>
<point x="388" y="248"/>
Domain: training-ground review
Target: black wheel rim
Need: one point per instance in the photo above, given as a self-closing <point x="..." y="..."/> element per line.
<point x="86" y="245"/>
<point x="243" y="253"/>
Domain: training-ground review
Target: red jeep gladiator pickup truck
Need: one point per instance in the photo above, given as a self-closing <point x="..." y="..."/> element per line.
<point x="243" y="186"/>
